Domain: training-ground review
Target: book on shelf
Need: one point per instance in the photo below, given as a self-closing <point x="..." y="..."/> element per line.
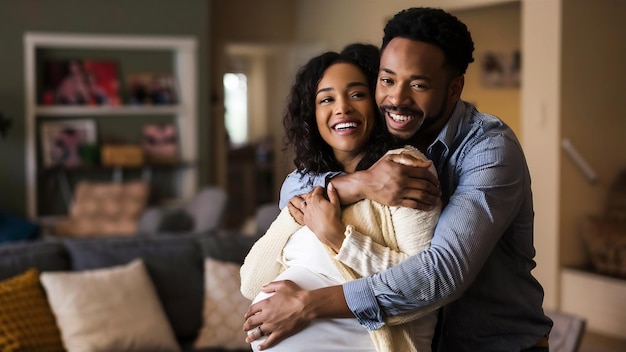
<point x="80" y="82"/>
<point x="151" y="88"/>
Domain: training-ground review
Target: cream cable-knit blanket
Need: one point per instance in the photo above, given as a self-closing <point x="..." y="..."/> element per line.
<point x="377" y="237"/>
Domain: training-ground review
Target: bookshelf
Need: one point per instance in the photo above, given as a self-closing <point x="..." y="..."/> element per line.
<point x="183" y="113"/>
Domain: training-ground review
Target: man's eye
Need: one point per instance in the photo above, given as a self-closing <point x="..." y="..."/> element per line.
<point x="386" y="81"/>
<point x="420" y="86"/>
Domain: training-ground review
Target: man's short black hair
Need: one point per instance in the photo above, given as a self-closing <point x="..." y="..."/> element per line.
<point x="437" y="27"/>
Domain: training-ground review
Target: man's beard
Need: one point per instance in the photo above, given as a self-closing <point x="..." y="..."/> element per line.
<point x="428" y="121"/>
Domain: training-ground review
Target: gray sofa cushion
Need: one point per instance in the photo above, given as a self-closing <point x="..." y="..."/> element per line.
<point x="15" y="258"/>
<point x="175" y="265"/>
<point x="227" y="246"/>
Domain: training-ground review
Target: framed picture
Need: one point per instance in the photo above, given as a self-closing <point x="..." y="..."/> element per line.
<point x="151" y="88"/>
<point x="64" y="142"/>
<point x="500" y="69"/>
<point x="80" y="82"/>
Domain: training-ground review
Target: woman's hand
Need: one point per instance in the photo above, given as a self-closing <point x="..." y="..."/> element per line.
<point x="295" y="208"/>
<point x="323" y="216"/>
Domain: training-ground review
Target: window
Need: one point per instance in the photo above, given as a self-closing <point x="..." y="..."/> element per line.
<point x="236" y="104"/>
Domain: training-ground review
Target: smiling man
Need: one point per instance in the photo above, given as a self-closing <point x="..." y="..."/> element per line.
<point x="479" y="265"/>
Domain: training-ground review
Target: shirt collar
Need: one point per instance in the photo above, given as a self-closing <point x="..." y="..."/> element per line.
<point x="442" y="144"/>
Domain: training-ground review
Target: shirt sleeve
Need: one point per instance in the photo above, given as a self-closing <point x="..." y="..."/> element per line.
<point x="298" y="183"/>
<point x="490" y="181"/>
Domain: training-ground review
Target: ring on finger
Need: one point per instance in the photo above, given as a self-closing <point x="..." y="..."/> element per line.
<point x="261" y="333"/>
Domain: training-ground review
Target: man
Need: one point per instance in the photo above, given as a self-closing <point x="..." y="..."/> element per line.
<point x="480" y="260"/>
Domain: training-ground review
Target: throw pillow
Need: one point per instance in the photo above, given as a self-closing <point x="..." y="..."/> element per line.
<point x="112" y="309"/>
<point x="174" y="263"/>
<point x="14" y="228"/>
<point x="104" y="209"/>
<point x="224" y="307"/>
<point x="26" y="321"/>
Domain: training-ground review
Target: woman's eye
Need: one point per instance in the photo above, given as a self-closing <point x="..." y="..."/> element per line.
<point x="326" y="100"/>
<point x="357" y="95"/>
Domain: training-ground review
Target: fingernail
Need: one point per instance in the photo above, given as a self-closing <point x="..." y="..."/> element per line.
<point x="330" y="186"/>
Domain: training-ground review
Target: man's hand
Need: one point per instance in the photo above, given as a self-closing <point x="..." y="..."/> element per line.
<point x="281" y="315"/>
<point x="291" y="309"/>
<point x="401" y="180"/>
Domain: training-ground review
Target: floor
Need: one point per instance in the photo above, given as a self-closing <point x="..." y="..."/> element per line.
<point x="593" y="342"/>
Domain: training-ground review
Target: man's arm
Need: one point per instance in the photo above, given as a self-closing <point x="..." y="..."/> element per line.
<point x="489" y="193"/>
<point x="276" y="313"/>
<point x="394" y="180"/>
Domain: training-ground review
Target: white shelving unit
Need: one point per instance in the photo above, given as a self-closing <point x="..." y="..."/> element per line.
<point x="185" y="113"/>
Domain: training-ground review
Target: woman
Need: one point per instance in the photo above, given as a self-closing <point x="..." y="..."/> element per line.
<point x="333" y="125"/>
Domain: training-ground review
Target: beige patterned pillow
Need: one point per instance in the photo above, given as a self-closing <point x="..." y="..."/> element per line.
<point x="109" y="309"/>
<point x="224" y="307"/>
<point x="104" y="208"/>
<point x="109" y="199"/>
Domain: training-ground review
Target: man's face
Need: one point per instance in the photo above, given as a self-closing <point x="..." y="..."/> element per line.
<point x="414" y="88"/>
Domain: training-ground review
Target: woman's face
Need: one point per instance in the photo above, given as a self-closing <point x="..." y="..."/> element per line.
<point x="344" y="110"/>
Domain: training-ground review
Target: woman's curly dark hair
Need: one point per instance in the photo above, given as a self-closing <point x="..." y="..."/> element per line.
<point x="434" y="26"/>
<point x="311" y="152"/>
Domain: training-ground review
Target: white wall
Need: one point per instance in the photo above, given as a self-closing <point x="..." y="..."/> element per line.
<point x="340" y="22"/>
<point x="540" y="122"/>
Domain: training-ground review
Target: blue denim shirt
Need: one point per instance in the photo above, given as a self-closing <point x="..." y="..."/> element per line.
<point x="481" y="256"/>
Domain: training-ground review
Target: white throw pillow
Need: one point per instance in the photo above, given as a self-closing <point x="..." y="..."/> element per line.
<point x="110" y="309"/>
<point x="224" y="307"/>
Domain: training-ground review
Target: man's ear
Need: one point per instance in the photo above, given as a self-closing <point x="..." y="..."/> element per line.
<point x="456" y="87"/>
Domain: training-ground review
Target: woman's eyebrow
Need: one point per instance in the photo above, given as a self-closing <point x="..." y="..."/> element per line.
<point x="328" y="89"/>
<point x="350" y="85"/>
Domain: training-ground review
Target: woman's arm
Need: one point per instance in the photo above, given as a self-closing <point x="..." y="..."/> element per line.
<point x="263" y="262"/>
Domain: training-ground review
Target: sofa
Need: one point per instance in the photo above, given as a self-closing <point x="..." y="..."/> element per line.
<point x="129" y="293"/>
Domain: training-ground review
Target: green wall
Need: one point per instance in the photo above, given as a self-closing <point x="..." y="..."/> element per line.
<point x="139" y="17"/>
